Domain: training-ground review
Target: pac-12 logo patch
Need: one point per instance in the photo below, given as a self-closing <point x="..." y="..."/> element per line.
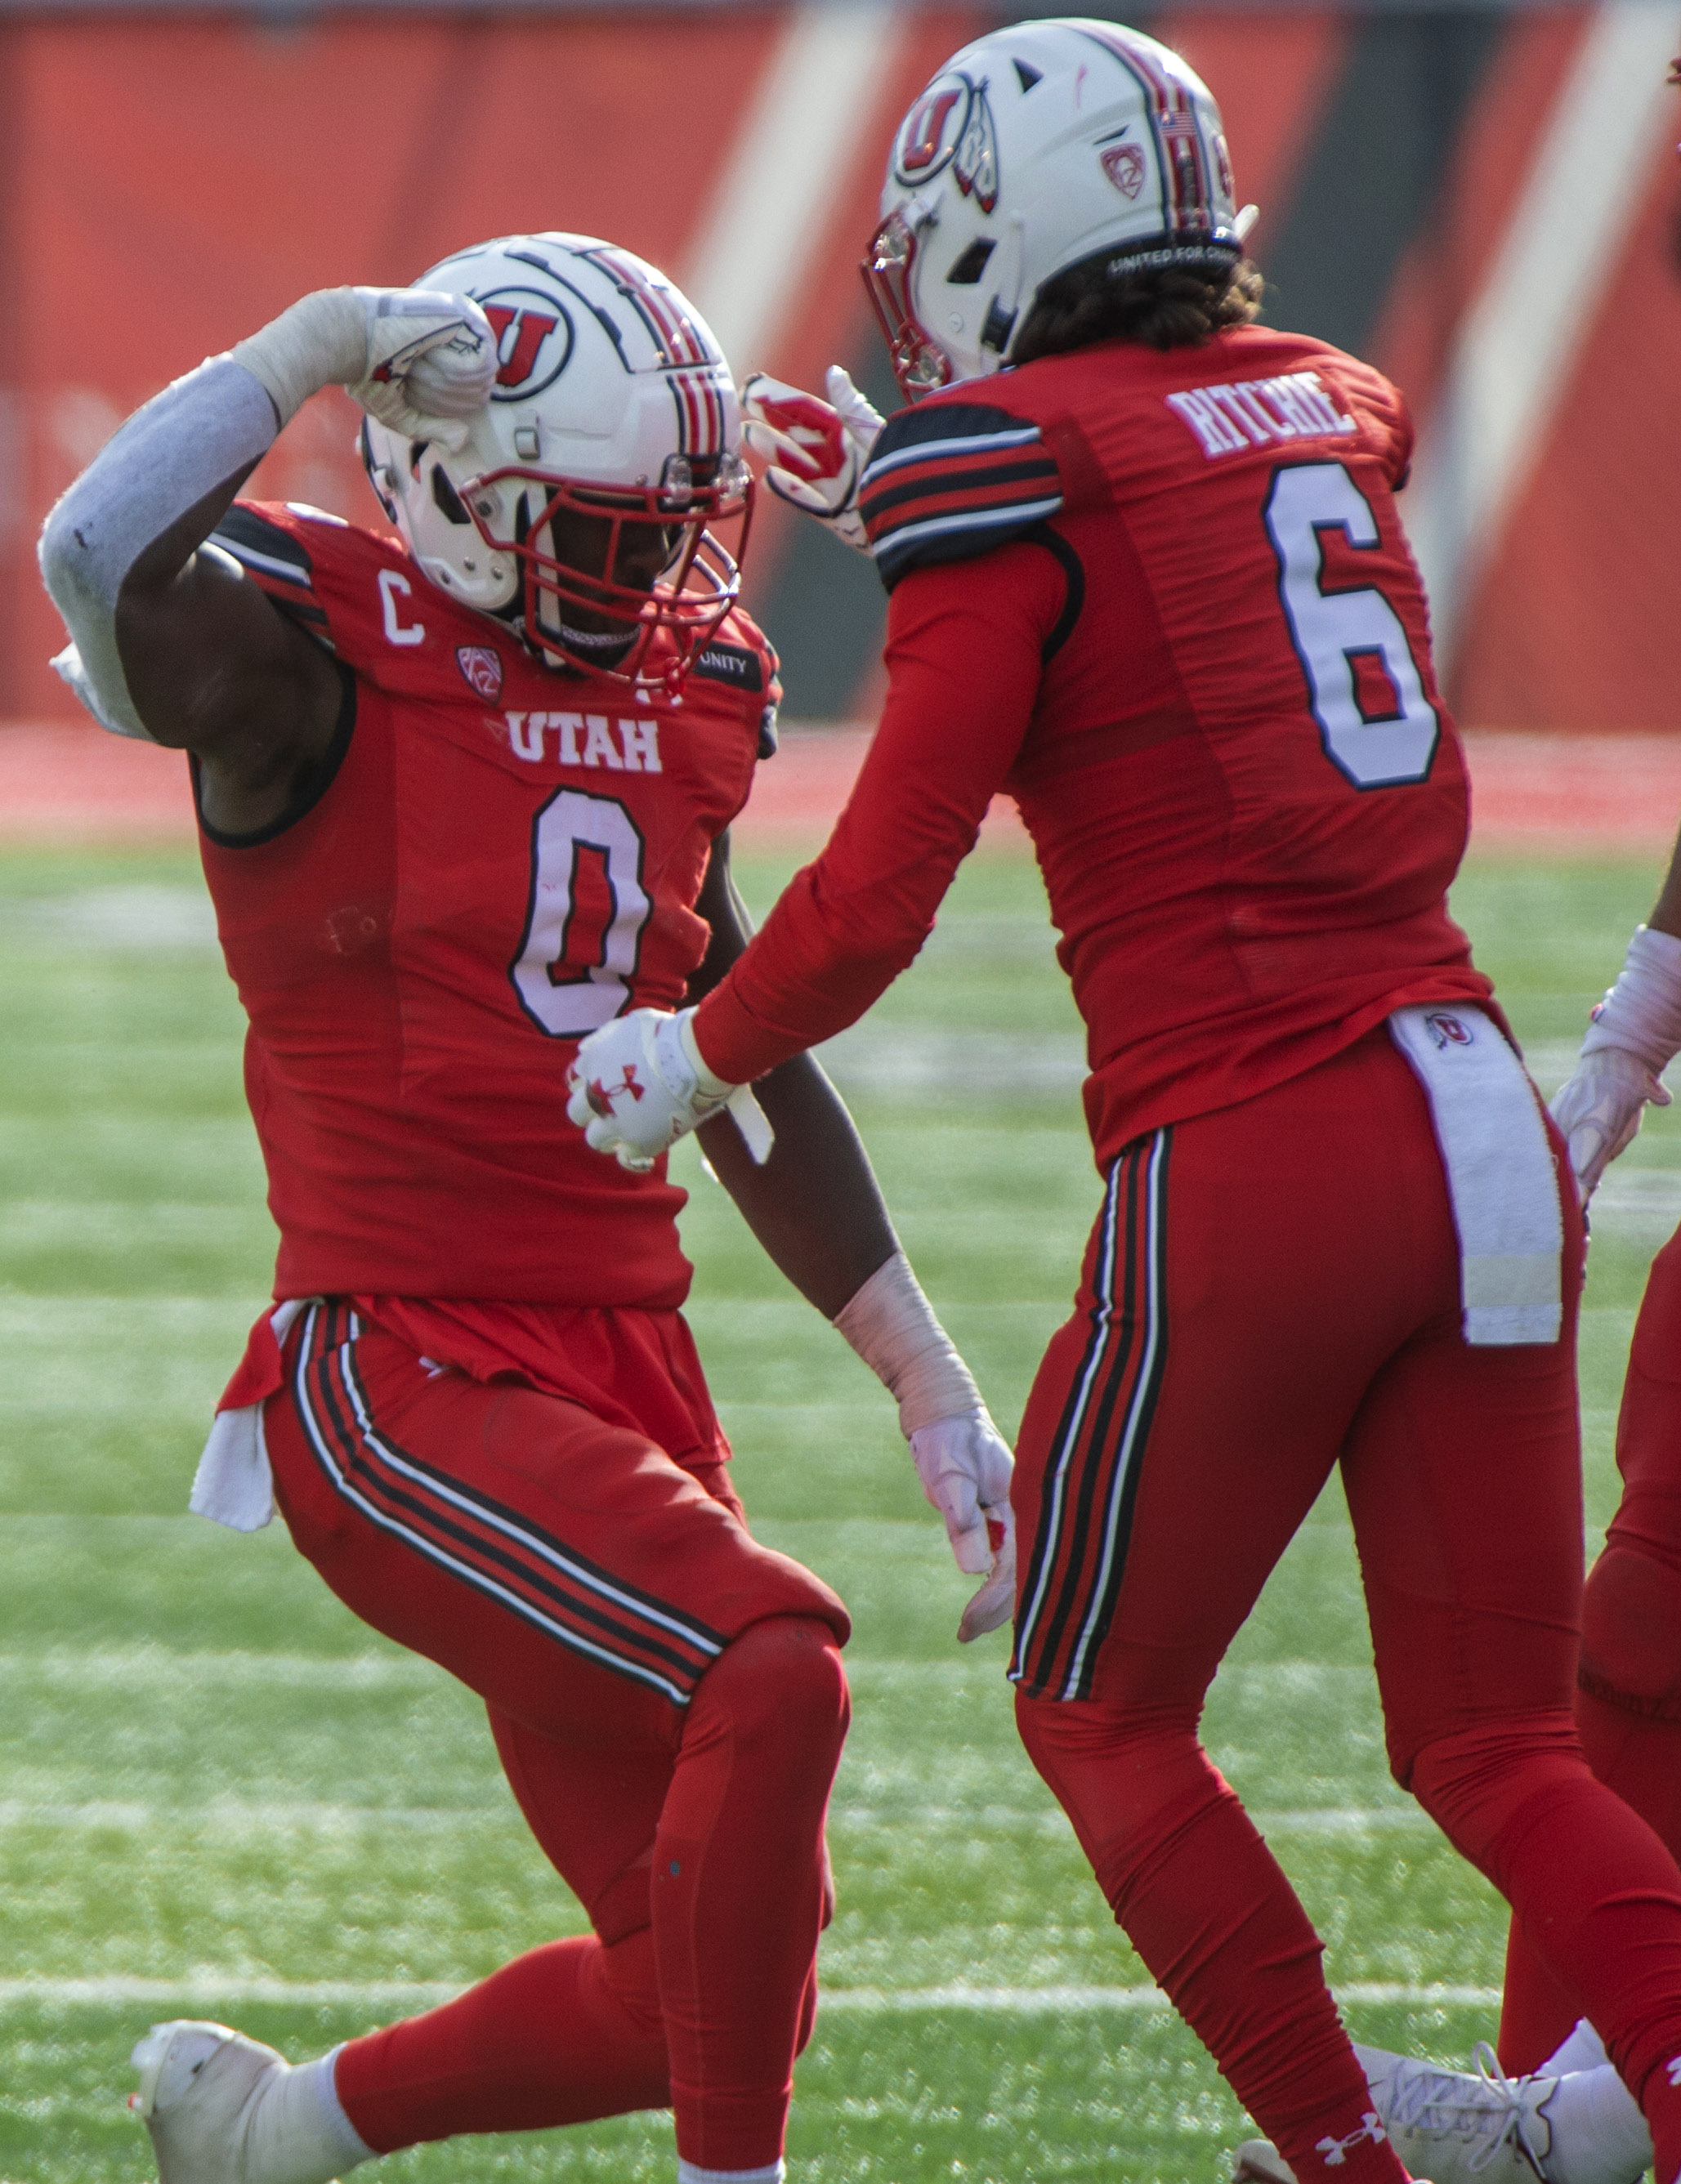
<point x="1447" y="1031"/>
<point x="481" y="666"/>
<point x="533" y="341"/>
<point x="1123" y="165"/>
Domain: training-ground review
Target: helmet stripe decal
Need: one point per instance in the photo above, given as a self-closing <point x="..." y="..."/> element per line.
<point x="1187" y="199"/>
<point x="688" y="424"/>
<point x="670" y="329"/>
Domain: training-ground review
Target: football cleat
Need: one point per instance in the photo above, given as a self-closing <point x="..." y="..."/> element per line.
<point x="1258" y="2161"/>
<point x="1466" y="2127"/>
<point x="217" y="2105"/>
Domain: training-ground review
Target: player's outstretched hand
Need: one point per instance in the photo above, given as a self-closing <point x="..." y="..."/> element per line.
<point x="430" y="362"/>
<point x="965" y="1466"/>
<point x="817" y="449"/>
<point x="1598" y="1109"/>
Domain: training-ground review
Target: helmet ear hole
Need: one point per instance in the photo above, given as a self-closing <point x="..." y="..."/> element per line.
<point x="999" y="327"/>
<point x="972" y="265"/>
<point x="446" y="500"/>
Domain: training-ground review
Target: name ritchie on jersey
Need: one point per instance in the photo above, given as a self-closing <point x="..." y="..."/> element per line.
<point x="1255" y="413"/>
<point x="637" y="749"/>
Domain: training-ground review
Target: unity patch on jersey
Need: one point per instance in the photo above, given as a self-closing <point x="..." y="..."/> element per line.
<point x="953" y="479"/>
<point x="733" y="664"/>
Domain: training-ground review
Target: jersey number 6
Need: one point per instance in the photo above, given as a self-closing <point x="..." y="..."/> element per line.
<point x="1333" y="631"/>
<point x="583" y="927"/>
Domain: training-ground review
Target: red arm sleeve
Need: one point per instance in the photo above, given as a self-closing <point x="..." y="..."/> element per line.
<point x="964" y="649"/>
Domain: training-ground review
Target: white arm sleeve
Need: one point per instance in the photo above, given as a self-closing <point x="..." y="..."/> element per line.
<point x="181" y="445"/>
<point x="420" y="361"/>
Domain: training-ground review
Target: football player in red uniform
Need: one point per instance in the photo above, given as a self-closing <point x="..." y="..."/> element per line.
<point x="1149" y="578"/>
<point x="465" y="795"/>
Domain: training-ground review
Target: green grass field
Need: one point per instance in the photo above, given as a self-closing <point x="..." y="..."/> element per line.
<point x="223" y="1795"/>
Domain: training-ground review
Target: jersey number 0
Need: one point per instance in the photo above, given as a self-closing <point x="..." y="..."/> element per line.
<point x="583" y="927"/>
<point x="1333" y="630"/>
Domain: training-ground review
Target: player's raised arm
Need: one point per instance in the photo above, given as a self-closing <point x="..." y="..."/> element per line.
<point x="815" y="1206"/>
<point x="169" y="642"/>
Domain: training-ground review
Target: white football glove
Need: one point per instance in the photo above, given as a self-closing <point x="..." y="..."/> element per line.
<point x="817" y="449"/>
<point x="1634" y="1035"/>
<point x="430" y="362"/>
<point x="420" y="361"/>
<point x="965" y="1465"/>
<point x="638" y="1085"/>
<point x="1598" y="1109"/>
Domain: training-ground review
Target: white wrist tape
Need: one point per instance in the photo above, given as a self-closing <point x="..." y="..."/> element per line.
<point x="421" y="362"/>
<point x="708" y="1080"/>
<point x="1642" y="1011"/>
<point x="749" y="1117"/>
<point x="319" y="341"/>
<point x="205" y="428"/>
<point x="891" y="1323"/>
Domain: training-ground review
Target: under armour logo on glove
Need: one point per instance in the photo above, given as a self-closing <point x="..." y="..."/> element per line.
<point x="1673" y="2065"/>
<point x="602" y="1100"/>
<point x="636" y="1117"/>
<point x="1336" y="2150"/>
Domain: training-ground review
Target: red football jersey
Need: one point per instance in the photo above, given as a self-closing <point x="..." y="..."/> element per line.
<point x="495" y="859"/>
<point x="1164" y="599"/>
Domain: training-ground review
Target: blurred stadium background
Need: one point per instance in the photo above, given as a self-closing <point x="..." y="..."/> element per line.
<point x="1475" y="197"/>
<point x="218" y="1793"/>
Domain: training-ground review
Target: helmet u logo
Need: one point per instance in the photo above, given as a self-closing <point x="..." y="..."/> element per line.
<point x="517" y="358"/>
<point x="925" y="129"/>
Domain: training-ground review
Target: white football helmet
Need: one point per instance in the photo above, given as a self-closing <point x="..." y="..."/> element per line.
<point x="1034" y="148"/>
<point x="579" y="509"/>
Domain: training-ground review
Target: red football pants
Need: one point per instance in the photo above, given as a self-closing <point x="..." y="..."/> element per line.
<point x="667" y="1700"/>
<point x="1273" y="1290"/>
<point x="1628" y="1690"/>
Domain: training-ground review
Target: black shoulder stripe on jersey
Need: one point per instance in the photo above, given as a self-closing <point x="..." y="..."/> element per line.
<point x="954" y="479"/>
<point x="942" y="420"/>
<point x="1039" y="470"/>
<point x="736" y="665"/>
<point x="965" y="544"/>
<point x="264" y="548"/>
<point x="767" y="737"/>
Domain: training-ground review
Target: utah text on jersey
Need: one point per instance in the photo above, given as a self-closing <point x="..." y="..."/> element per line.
<point x="636" y="751"/>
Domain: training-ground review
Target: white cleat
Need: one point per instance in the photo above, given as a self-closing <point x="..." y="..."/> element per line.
<point x="224" y="2109"/>
<point x="1258" y="2161"/>
<point x="1462" y="2126"/>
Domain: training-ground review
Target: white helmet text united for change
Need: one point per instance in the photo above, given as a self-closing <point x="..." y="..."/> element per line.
<point x="1033" y="149"/>
<point x="613" y="422"/>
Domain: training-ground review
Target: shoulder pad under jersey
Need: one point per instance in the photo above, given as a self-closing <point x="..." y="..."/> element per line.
<point x="952" y="479"/>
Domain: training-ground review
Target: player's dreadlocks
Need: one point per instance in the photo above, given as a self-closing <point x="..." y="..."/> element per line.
<point x="1108" y="299"/>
